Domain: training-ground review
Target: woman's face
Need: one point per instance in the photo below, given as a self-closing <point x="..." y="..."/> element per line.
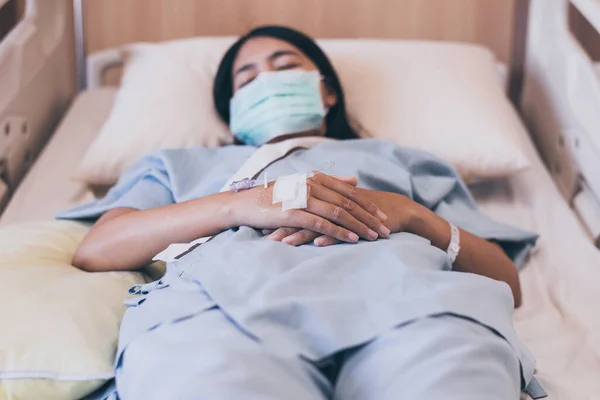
<point x="262" y="54"/>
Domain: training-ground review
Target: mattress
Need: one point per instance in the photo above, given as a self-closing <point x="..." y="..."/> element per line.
<point x="559" y="317"/>
<point x="47" y="188"/>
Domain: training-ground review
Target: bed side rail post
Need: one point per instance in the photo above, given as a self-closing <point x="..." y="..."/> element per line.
<point x="37" y="77"/>
<point x="561" y="103"/>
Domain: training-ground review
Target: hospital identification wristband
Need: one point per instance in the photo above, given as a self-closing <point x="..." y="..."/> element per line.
<point x="454" y="246"/>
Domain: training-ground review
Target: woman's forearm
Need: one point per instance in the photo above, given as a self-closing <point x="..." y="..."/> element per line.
<point x="128" y="240"/>
<point x="476" y="255"/>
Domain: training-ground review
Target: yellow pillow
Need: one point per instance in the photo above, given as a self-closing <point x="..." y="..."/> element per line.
<point x="59" y="325"/>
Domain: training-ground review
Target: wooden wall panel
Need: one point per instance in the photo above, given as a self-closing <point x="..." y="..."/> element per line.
<point x="110" y="23"/>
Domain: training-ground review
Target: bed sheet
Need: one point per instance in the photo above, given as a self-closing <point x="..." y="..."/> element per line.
<point x="47" y="188"/>
<point x="560" y="316"/>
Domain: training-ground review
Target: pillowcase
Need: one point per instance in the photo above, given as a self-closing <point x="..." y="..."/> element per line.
<point x="440" y="97"/>
<point x="59" y="324"/>
<point x="443" y="98"/>
<point x="165" y="101"/>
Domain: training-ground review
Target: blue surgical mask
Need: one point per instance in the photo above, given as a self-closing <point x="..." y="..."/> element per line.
<point x="275" y="104"/>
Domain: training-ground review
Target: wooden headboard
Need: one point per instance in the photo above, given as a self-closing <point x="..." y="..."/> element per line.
<point x="500" y="25"/>
<point x="110" y="23"/>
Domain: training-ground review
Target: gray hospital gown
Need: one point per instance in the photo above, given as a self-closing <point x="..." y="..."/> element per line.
<point x="306" y="303"/>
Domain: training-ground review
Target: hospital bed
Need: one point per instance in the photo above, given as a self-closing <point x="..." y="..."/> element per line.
<point x="557" y="196"/>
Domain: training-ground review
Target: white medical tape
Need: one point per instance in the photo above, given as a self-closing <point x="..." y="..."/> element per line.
<point x="291" y="191"/>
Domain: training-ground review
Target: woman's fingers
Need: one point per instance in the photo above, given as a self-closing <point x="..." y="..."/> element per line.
<point x="306" y="236"/>
<point x="297" y="237"/>
<point x="312" y="221"/>
<point x="350" y="180"/>
<point x="323" y="241"/>
<point x="329" y="196"/>
<point x="336" y="211"/>
<point x="341" y="217"/>
<point x="281" y="233"/>
<point x="350" y="192"/>
<point x="301" y="237"/>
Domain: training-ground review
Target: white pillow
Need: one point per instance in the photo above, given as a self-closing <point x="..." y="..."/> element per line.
<point x="59" y="324"/>
<point x="440" y="97"/>
<point x="165" y="101"/>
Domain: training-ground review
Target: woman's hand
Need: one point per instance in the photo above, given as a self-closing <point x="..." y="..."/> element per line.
<point x="399" y="209"/>
<point x="335" y="207"/>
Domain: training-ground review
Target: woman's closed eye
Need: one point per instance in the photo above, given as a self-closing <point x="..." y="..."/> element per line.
<point x="287" y="66"/>
<point x="282" y="67"/>
<point x="286" y="61"/>
<point x="245" y="82"/>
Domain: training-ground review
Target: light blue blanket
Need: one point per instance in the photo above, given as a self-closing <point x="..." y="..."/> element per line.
<point x="313" y="301"/>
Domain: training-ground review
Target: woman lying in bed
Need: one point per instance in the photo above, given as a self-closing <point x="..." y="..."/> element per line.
<point x="388" y="300"/>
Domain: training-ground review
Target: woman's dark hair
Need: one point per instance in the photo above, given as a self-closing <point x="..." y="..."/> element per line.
<point x="337" y="122"/>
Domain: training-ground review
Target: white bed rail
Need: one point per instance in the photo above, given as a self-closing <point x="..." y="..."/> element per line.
<point x="561" y="103"/>
<point x="96" y="64"/>
<point x="37" y="83"/>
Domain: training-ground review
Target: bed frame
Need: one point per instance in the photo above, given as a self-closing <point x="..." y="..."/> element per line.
<point x="561" y="104"/>
<point x="36" y="85"/>
<point x="551" y="79"/>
